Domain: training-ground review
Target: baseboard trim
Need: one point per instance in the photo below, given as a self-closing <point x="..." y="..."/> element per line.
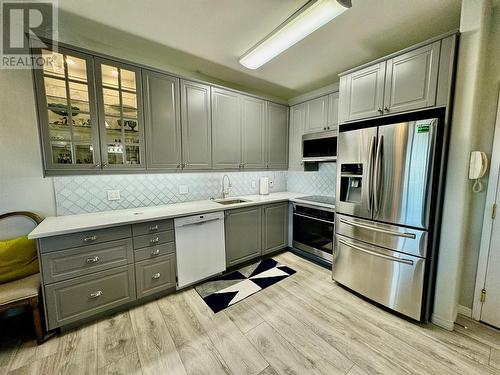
<point x="443" y="323"/>
<point x="465" y="311"/>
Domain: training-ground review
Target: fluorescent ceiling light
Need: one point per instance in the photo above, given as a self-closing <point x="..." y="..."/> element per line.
<point x="306" y="20"/>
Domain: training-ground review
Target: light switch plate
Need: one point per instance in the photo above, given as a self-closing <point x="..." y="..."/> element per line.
<point x="183" y="189"/>
<point x="113" y="195"/>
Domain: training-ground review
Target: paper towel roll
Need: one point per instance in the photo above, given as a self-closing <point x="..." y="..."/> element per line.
<point x="264" y="186"/>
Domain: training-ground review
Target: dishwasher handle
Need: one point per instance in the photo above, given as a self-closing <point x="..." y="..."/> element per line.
<point x="198" y="222"/>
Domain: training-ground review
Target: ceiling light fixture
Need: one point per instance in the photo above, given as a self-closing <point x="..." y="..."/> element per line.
<point x="303" y="22"/>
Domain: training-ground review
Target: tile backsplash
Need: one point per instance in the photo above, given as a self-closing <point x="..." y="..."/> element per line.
<point x="321" y="182"/>
<point x="85" y="194"/>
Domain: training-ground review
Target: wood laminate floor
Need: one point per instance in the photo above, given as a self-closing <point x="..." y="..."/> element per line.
<point x="305" y="324"/>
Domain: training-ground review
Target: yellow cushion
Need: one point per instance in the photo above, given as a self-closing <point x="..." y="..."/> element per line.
<point x="17" y="259"/>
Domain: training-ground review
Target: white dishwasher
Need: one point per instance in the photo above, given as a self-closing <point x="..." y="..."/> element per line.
<point x="200" y="247"/>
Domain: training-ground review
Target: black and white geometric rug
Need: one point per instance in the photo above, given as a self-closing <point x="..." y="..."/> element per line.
<point x="229" y="289"/>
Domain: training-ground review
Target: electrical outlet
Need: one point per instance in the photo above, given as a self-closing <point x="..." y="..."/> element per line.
<point x="113" y="195"/>
<point x="254" y="184"/>
<point x="183" y="189"/>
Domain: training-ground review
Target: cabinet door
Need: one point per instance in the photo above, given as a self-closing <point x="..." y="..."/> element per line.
<point x="253" y="132"/>
<point x="333" y="111"/>
<point x="243" y="229"/>
<point x="411" y="79"/>
<point x="70" y="139"/>
<point x="362" y="93"/>
<point x="297" y="119"/>
<point x="275" y="227"/>
<point x="226" y="129"/>
<point x="196" y="125"/>
<point x="162" y="120"/>
<point x="316" y="115"/>
<point x="119" y="96"/>
<point x="277" y="136"/>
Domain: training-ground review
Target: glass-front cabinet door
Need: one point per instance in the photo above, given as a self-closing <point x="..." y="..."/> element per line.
<point x="120" y="115"/>
<point x="68" y="111"/>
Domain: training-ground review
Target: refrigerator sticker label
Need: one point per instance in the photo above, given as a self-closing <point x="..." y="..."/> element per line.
<point x="423" y="129"/>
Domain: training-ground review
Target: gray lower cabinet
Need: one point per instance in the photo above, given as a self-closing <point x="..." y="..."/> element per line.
<point x="274" y="227"/>
<point x="155" y="275"/>
<point x="66" y="264"/>
<point x="253" y="133"/>
<point x="196" y="125"/>
<point x="277" y="136"/>
<point x="162" y="120"/>
<point x="411" y="79"/>
<point x="82" y="297"/>
<point x="153" y="239"/>
<point x="226" y="129"/>
<point x="243" y="230"/>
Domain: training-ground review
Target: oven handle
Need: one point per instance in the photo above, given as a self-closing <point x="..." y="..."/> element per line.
<point x="313" y="218"/>
<point x="388" y="257"/>
<point x="375" y="229"/>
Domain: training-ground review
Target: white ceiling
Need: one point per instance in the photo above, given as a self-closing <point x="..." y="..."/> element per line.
<point x="220" y="31"/>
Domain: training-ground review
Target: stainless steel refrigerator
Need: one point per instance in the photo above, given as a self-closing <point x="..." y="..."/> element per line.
<point x="383" y="205"/>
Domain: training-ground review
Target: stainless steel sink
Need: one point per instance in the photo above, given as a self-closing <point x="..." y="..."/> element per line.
<point x="230" y="201"/>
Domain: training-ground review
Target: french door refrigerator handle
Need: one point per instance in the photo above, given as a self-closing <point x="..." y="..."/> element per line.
<point x="381" y="230"/>
<point x="378" y="161"/>
<point x="374" y="253"/>
<point x="370" y="173"/>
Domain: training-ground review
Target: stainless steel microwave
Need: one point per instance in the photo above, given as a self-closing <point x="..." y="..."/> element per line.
<point x="319" y="146"/>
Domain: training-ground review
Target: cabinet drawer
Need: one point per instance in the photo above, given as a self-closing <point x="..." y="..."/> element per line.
<point x="82" y="297"/>
<point x="154" y="252"/>
<point x="68" y="241"/>
<point x="155" y="275"/>
<point x="153" y="239"/>
<point x="66" y="264"/>
<point x="152" y="227"/>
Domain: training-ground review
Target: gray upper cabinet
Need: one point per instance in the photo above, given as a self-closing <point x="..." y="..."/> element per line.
<point x="297" y="120"/>
<point x="362" y="93"/>
<point x="226" y="129"/>
<point x="253" y="133"/>
<point x="333" y="111"/>
<point x="277" y="136"/>
<point x="316" y="115"/>
<point x="411" y="79"/>
<point x="119" y="97"/>
<point x="275" y="227"/>
<point x="243" y="231"/>
<point x="196" y="125"/>
<point x="162" y="119"/>
<point x="70" y="139"/>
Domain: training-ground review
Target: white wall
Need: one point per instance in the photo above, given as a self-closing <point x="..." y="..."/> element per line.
<point x="22" y="186"/>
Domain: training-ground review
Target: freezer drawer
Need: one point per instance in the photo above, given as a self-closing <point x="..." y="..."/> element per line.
<point x="390" y="278"/>
<point x="402" y="239"/>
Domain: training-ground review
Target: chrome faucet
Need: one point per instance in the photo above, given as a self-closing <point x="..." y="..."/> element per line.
<point x="225" y="192"/>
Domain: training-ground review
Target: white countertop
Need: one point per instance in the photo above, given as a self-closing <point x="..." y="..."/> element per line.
<point x="57" y="225"/>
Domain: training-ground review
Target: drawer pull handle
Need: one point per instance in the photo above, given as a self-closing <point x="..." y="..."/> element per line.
<point x="94" y="259"/>
<point x="156" y="276"/>
<point x="154" y="240"/>
<point x="155" y="252"/>
<point x="90" y="238"/>
<point x="96" y="294"/>
<point x="153" y="228"/>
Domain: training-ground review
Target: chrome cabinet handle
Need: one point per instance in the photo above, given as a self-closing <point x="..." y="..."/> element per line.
<point x="153" y="228"/>
<point x="380" y="255"/>
<point x="179" y="165"/>
<point x="96" y="294"/>
<point x="156" y="276"/>
<point x="380" y="230"/>
<point x="91" y="260"/>
<point x="380" y="110"/>
<point x="387" y="109"/>
<point x="90" y="238"/>
<point x="155" y="252"/>
<point x="154" y="240"/>
<point x="104" y="165"/>
<point x="370" y="173"/>
<point x="98" y="165"/>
